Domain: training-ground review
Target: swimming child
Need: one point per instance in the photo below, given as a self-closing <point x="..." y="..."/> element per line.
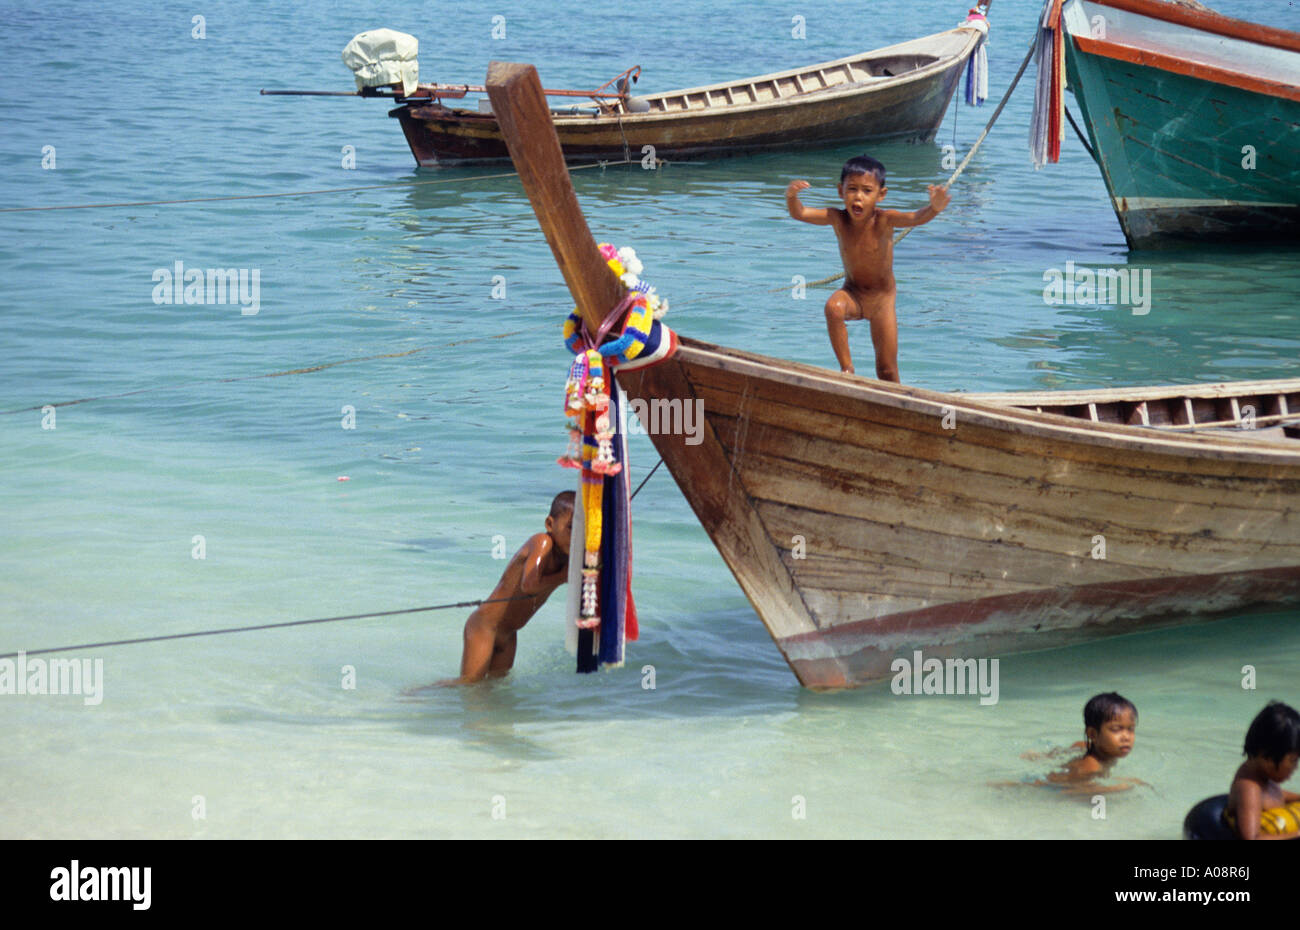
<point x="1110" y="728"/>
<point x="538" y="568"/>
<point x="1258" y="808"/>
<point x="866" y="237"/>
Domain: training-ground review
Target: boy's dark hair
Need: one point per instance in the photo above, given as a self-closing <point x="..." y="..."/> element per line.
<point x="1104" y="707"/>
<point x="562" y="503"/>
<point x="863" y="164"/>
<point x="1274" y="733"/>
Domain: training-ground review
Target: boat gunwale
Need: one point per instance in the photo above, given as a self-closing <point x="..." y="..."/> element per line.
<point x="1050" y="426"/>
<point x="1196" y="70"/>
<point x="854" y="87"/>
<point x="1212" y="22"/>
<point x="1214" y="390"/>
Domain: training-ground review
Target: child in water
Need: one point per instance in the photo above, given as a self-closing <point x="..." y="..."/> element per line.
<point x="1110" y="728"/>
<point x="1257" y="806"/>
<point x="537" y="569"/>
<point x="866" y="237"/>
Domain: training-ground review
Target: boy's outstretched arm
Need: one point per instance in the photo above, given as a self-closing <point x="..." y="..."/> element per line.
<point x="818" y="217"/>
<point x="939" y="199"/>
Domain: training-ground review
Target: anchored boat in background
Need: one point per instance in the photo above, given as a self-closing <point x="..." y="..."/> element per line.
<point x="896" y="93"/>
<point x="1194" y="118"/>
<point x="900" y="92"/>
<point x="865" y="519"/>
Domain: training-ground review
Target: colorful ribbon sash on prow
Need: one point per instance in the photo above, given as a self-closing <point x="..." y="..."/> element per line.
<point x="602" y="615"/>
<point x="1047" y="125"/>
<point x="977" y="66"/>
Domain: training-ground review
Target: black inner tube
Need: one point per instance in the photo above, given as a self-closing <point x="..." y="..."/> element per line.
<point x="1205" y="821"/>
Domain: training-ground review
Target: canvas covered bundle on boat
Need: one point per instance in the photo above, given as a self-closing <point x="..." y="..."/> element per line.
<point x="380" y="57"/>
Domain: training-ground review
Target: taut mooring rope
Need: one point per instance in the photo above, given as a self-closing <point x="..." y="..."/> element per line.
<point x="261" y="626"/>
<point x="288" y="623"/>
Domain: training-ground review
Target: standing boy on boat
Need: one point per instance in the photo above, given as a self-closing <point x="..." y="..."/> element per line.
<point x="866" y="236"/>
<point x="538" y="568"/>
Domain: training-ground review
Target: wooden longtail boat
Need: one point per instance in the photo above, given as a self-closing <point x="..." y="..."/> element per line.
<point x="900" y="92"/>
<point x="865" y="519"/>
<point x="1194" y="118"/>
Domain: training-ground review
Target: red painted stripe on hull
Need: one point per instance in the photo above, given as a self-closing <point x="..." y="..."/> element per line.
<point x="857" y="652"/>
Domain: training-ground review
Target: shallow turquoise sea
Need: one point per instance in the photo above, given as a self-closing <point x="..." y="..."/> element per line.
<point x="455" y="444"/>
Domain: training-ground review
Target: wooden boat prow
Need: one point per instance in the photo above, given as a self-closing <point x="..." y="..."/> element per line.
<point x="865" y="519"/>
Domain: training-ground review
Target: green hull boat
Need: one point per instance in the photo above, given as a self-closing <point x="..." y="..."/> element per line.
<point x="1193" y="118"/>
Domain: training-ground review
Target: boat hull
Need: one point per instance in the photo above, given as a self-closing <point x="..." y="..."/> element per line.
<point x="1193" y="144"/>
<point x="866" y="520"/>
<point x="910" y="107"/>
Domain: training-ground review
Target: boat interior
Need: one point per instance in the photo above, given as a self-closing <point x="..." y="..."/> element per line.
<point x="855" y="71"/>
<point x="771" y="88"/>
<point x="1263" y="410"/>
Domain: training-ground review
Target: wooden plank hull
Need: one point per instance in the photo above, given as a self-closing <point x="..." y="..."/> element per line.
<point x="861" y="527"/>
<point x="760" y="113"/>
<point x="1197" y="132"/>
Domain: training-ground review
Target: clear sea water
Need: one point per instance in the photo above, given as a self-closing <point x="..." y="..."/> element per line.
<point x="456" y="444"/>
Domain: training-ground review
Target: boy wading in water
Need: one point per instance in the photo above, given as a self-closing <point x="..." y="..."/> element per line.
<point x="537" y="569"/>
<point x="866" y="236"/>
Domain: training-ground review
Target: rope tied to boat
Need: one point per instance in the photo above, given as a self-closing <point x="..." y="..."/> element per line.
<point x="288" y="623"/>
<point x="1006" y="97"/>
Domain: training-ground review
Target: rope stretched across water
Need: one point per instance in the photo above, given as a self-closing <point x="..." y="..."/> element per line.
<point x="288" y="623"/>
<point x="248" y="629"/>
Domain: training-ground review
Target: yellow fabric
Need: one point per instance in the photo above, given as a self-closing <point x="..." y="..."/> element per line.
<point x="593" y="493"/>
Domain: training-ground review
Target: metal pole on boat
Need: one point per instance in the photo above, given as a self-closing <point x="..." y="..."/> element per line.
<point x="313" y="93"/>
<point x="432" y="91"/>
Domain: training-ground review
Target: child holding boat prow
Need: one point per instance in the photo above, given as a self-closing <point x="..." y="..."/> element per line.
<point x="866" y="237"/>
<point x="538" y="568"/>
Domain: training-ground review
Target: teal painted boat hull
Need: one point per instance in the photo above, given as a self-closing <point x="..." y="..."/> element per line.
<point x="1173" y="151"/>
